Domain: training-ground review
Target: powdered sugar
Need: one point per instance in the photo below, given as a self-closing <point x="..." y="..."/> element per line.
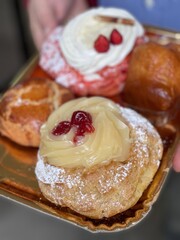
<point x="142" y="127"/>
<point x="48" y="173"/>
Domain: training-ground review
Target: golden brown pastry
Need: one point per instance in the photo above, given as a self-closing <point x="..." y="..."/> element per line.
<point x="96" y="157"/>
<point x="153" y="81"/>
<point x="174" y="47"/>
<point x="26" y="106"/>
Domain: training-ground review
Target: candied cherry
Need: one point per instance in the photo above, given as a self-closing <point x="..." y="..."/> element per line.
<point x="80" y="120"/>
<point x="62" y="128"/>
<point x="80" y="117"/>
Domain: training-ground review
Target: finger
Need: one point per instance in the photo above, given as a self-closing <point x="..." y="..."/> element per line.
<point x="41" y="19"/>
<point x="61" y="9"/>
<point x="44" y="12"/>
<point x="176" y="161"/>
<point x="35" y="26"/>
<point x="37" y="34"/>
<point x="76" y="8"/>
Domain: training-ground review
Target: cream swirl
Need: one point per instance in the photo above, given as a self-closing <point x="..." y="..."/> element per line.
<point x="109" y="141"/>
<point x="78" y="37"/>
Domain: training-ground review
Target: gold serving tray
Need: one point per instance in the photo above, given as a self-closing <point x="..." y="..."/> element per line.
<point x="17" y="164"/>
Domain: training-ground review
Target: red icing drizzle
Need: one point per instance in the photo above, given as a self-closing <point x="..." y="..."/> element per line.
<point x="80" y="120"/>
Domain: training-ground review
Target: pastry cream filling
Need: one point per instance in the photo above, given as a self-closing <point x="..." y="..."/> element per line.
<point x="110" y="140"/>
<point x="79" y="35"/>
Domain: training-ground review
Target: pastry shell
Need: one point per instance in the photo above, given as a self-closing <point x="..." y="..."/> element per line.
<point x="134" y="215"/>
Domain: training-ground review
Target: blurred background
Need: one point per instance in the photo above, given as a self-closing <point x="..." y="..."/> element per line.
<point x="19" y="222"/>
<point x="16" y="45"/>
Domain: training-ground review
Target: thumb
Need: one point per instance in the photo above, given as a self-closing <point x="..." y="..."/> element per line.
<point x="176" y="161"/>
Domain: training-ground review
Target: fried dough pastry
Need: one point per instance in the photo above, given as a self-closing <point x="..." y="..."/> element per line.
<point x="175" y="47"/>
<point x="26" y="106"/>
<point x="104" y="189"/>
<point x="153" y="81"/>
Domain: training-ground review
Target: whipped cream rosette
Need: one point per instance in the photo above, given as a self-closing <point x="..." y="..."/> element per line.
<point x="90" y="55"/>
<point x="96" y="158"/>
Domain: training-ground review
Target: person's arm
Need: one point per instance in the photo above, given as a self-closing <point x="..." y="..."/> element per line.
<point x="45" y="15"/>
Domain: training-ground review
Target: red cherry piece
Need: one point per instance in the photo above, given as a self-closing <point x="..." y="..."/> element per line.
<point x="83" y="123"/>
<point x="115" y="37"/>
<point x="81" y="130"/>
<point x="80" y="120"/>
<point x="62" y="128"/>
<point x="79" y="117"/>
<point x="89" y="128"/>
<point x="101" y="44"/>
<point x="84" y="128"/>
